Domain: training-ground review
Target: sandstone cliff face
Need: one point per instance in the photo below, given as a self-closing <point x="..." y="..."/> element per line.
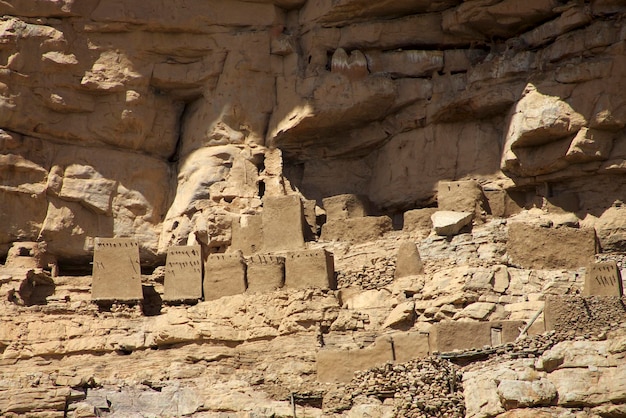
<point x="153" y="120"/>
<point x="169" y="121"/>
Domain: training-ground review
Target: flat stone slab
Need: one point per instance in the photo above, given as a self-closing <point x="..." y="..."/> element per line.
<point x="310" y="268"/>
<point x="116" y="271"/>
<point x="265" y="273"/>
<point x="183" y="273"/>
<point x="447" y="222"/>
<point x="225" y="275"/>
<point x="283" y="223"/>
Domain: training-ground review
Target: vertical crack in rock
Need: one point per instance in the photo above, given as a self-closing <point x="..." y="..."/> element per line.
<point x="175" y="156"/>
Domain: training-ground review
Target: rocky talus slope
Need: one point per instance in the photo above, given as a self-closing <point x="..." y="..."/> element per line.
<point x="462" y="160"/>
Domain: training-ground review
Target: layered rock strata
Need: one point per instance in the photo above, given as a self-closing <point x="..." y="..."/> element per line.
<point x="348" y="125"/>
<point x="172" y="120"/>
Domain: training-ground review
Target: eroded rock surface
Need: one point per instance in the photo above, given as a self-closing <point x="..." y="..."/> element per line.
<point x="153" y="122"/>
<point x="180" y="122"/>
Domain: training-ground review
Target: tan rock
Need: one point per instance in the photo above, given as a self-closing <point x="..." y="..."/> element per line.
<point x="590" y="145"/>
<point x="610" y="228"/>
<point x="406" y="63"/>
<point x="328" y="11"/>
<point x="576" y="354"/>
<point x="501" y="279"/>
<point x="409" y="156"/>
<point x="408" y="260"/>
<point x="477" y="310"/>
<point x="446" y="282"/>
<point x="523" y="310"/>
<point x="539" y="121"/>
<point x="283" y="227"/>
<point x="333" y="106"/>
<point x="447" y="222"/>
<point x="480" y="392"/>
<point x="35" y="400"/>
<point x="401" y="315"/>
<point x="609" y="410"/>
<point x="370" y="299"/>
<point x="524" y="394"/>
<point x="588" y="388"/>
<point x="485" y="18"/>
<point x="153" y="121"/>
<point x="461" y="196"/>
<point x="568" y="20"/>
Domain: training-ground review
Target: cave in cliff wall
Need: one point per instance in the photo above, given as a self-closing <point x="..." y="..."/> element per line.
<point x="161" y="120"/>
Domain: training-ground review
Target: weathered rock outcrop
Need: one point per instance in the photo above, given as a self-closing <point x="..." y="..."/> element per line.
<point x="153" y="121"/>
<point x="328" y="126"/>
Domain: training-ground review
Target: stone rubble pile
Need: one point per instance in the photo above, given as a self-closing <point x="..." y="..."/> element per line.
<point x="429" y="387"/>
<point x="588" y="316"/>
<point x="378" y="274"/>
<point x="481" y="245"/>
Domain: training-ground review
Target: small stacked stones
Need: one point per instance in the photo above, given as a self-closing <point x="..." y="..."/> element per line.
<point x="529" y="347"/>
<point x="375" y="276"/>
<point x="429" y="387"/>
<point x="619" y="258"/>
<point x="604" y="314"/>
